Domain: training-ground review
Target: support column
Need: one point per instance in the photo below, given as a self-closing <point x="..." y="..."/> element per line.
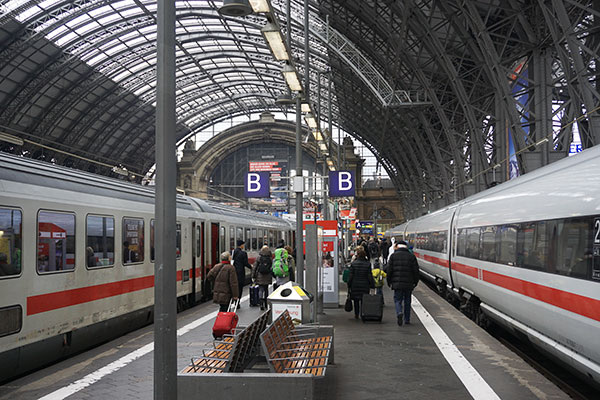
<point x="165" y="274"/>
<point x="543" y="102"/>
<point x="299" y="197"/>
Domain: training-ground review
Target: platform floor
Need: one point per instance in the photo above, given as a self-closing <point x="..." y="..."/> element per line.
<point x="372" y="361"/>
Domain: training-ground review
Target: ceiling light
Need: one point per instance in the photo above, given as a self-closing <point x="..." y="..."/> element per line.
<point x="323" y="146"/>
<point x="285" y="99"/>
<point x="305" y="107"/>
<point x="311" y="121"/>
<point x="260" y="6"/>
<point x="318" y="136"/>
<point x="274" y="38"/>
<point x="235" y="8"/>
<point x="291" y="78"/>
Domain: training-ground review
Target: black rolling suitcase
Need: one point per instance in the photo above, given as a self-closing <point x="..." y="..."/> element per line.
<point x="372" y="308"/>
<point x="254" y="301"/>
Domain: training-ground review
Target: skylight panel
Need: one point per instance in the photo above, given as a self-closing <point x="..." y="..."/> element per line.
<point x="109" y="19"/>
<point x="57" y="32"/>
<point x="116" y="49"/>
<point x="118" y="78"/>
<point x="92" y="25"/>
<point x="78" y="20"/>
<point x="66" y="38"/>
<point x="30" y="12"/>
<point x="97" y="59"/>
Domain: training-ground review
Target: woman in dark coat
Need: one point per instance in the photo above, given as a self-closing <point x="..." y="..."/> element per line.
<point x="225" y="282"/>
<point x="263" y="278"/>
<point x="360" y="279"/>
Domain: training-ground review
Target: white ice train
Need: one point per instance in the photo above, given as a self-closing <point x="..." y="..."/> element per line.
<point x="76" y="257"/>
<point x="526" y="254"/>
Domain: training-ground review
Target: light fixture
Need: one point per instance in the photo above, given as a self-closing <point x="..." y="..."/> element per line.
<point x="322" y="146"/>
<point x="330" y="162"/>
<point x="5" y="137"/>
<point x="260" y="6"/>
<point x="291" y="78"/>
<point x="305" y="107"/>
<point x="318" y="136"/>
<point x="120" y="170"/>
<point x="311" y="121"/>
<point x="285" y="99"/>
<point x="235" y="8"/>
<point x="274" y="38"/>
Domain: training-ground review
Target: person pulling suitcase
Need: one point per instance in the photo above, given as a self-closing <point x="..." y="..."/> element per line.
<point x="225" y="281"/>
<point x="360" y="280"/>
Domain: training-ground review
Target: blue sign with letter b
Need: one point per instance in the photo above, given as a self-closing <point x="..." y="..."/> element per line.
<point x="257" y="184"/>
<point x="341" y="184"/>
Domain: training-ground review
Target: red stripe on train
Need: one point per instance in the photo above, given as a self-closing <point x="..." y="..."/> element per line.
<point x="582" y="305"/>
<point x="52" y="301"/>
<point x="66" y="298"/>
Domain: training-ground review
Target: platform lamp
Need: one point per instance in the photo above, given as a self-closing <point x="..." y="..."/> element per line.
<point x="274" y="38"/>
<point x="260" y="6"/>
<point x="291" y="78"/>
<point x="235" y="8"/>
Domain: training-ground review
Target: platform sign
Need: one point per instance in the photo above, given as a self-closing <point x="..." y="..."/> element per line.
<point x="257" y="184"/>
<point x="341" y="184"/>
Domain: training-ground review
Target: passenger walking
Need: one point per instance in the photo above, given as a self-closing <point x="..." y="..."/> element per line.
<point x="262" y="274"/>
<point x="225" y="285"/>
<point x="290" y="277"/>
<point x="385" y="251"/>
<point x="403" y="277"/>
<point x="360" y="280"/>
<point x="373" y="251"/>
<point x="378" y="276"/>
<point x="240" y="262"/>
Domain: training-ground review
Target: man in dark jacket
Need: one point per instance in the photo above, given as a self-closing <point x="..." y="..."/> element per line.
<point x="385" y="250"/>
<point x="403" y="276"/>
<point x="240" y="260"/>
<point x="373" y="251"/>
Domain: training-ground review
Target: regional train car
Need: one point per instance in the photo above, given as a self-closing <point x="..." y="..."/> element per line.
<point x="77" y="257"/>
<point x="525" y="254"/>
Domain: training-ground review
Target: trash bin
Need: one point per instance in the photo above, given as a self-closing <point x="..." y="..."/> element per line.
<point x="291" y="297"/>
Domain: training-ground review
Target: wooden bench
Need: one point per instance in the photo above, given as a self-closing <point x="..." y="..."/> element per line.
<point x="293" y="350"/>
<point x="232" y="353"/>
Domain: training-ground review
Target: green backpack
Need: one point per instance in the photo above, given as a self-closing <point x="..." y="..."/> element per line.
<point x="280" y="267"/>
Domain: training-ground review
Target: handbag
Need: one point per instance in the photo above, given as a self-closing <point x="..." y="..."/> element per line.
<point x="348" y="305"/>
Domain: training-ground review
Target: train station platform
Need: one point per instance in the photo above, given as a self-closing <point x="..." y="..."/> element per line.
<point x="442" y="354"/>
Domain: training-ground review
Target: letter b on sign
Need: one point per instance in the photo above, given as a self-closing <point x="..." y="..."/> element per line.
<point x="341" y="184"/>
<point x="257" y="184"/>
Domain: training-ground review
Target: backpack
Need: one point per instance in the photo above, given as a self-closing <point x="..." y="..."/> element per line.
<point x="373" y="249"/>
<point x="378" y="276"/>
<point x="280" y="267"/>
<point x="263" y="265"/>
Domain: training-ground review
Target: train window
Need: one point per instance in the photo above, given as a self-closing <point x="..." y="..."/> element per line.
<point x="248" y="239"/>
<point x="222" y="239"/>
<point x="239" y="234"/>
<point x="178" y="240"/>
<point x="56" y="242"/>
<point x="488" y="244"/>
<point x="254" y="240"/>
<point x="574" y="244"/>
<point x="271" y="238"/>
<point x="231" y="238"/>
<point x="261" y="240"/>
<point x="531" y="245"/>
<point x="11" y="320"/>
<point x="473" y="242"/>
<point x="133" y="240"/>
<point x="100" y="241"/>
<point x="507" y="237"/>
<point x="11" y="242"/>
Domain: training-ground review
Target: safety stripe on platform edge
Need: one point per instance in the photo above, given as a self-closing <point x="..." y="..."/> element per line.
<point x="114" y="366"/>
<point x="473" y="382"/>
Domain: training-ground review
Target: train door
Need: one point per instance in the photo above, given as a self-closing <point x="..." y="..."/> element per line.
<point x="214" y="243"/>
<point x="197" y="255"/>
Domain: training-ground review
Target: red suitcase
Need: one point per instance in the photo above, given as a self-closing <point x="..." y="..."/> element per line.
<point x="226" y="321"/>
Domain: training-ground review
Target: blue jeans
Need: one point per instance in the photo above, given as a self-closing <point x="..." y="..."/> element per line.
<point x="403" y="296"/>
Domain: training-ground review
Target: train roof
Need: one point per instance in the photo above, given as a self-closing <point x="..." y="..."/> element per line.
<point x="574" y="164"/>
<point x="20" y="169"/>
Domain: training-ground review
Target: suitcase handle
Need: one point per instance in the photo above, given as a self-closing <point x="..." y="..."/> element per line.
<point x="233" y="304"/>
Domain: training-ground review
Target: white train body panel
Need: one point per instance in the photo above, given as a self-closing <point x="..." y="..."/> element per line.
<point x="557" y="309"/>
<point x="62" y="302"/>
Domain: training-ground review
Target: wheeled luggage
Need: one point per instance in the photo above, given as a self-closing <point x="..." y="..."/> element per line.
<point x="226" y="320"/>
<point x="254" y="300"/>
<point x="372" y="307"/>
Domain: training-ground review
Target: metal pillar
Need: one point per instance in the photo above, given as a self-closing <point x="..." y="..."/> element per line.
<point x="542" y="70"/>
<point x="299" y="199"/>
<point x="306" y="55"/>
<point x="165" y="275"/>
<point x="313" y="265"/>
